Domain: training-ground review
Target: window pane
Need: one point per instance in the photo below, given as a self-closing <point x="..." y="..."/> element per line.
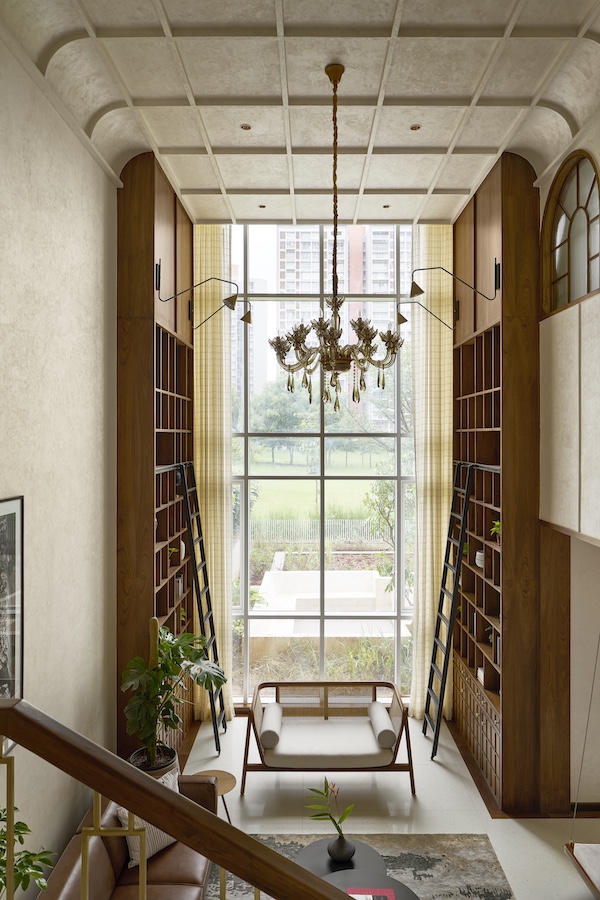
<point x="407" y="449"/>
<point x="237" y="456"/>
<point x="239" y="334"/>
<point x="284" y="544"/>
<point x="559" y="293"/>
<point x="284" y="456"/>
<point x="236" y="518"/>
<point x="578" y="256"/>
<point x="568" y="197"/>
<point x="360" y="546"/>
<point x="594" y="244"/>
<point x="561" y="259"/>
<point x="561" y="226"/>
<point x="592" y="209"/>
<point x="359" y="456"/>
<point x="408" y="528"/>
<point x="359" y="650"/>
<point x="262" y="259"/>
<point x="283" y="650"/>
<point x="237" y="255"/>
<point x="594" y="275"/>
<point x="586" y="177"/>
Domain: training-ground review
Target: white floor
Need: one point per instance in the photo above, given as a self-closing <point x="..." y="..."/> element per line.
<point x="529" y="850"/>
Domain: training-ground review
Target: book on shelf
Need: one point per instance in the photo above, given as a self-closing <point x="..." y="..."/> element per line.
<point x="480" y="674"/>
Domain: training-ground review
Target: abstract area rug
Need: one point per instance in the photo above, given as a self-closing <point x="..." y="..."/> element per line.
<point x="434" y="866"/>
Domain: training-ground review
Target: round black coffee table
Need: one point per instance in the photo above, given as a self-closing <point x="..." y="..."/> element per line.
<point x="317" y="860"/>
<point x="371" y="879"/>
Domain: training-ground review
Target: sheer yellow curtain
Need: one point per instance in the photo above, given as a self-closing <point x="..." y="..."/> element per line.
<point x="212" y="435"/>
<point x="432" y="386"/>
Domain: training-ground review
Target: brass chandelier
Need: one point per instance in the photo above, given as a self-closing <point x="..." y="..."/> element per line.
<point x="334" y="358"/>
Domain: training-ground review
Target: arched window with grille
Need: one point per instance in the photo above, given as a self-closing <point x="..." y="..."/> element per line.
<point x="571" y="234"/>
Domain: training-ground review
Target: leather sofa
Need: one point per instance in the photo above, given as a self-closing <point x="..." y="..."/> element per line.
<point x="174" y="873"/>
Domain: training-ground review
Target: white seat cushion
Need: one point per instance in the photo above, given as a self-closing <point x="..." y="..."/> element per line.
<point x="327" y="743"/>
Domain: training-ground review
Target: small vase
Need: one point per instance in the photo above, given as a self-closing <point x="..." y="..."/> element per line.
<point x="341" y="849"/>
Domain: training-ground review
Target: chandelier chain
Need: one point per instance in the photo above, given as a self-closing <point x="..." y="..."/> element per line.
<point x="335" y="191"/>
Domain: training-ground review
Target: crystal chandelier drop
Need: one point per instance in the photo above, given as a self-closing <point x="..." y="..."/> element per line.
<point x="333" y="357"/>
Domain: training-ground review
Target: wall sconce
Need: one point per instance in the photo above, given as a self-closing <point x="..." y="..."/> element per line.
<point x="400" y="319"/>
<point x="229" y="302"/>
<point x="416" y="291"/>
<point x="247" y="317"/>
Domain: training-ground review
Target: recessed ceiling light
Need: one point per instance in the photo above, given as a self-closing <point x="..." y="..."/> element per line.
<point x="386" y="205"/>
<point x="245" y="127"/>
<point x="262" y="206"/>
<point x="415" y="127"/>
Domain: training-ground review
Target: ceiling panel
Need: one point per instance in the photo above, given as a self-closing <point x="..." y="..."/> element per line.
<point x="242" y="171"/>
<point x="192" y="170"/>
<point x="220" y="14"/>
<point x="487" y="126"/>
<point x="464" y="171"/>
<point x="576" y="88"/>
<point x="437" y="125"/>
<point x="319" y="207"/>
<point x="224" y="126"/>
<point x="207" y="207"/>
<point x="114" y="14"/>
<point x="147" y="67"/>
<point x="312" y="126"/>
<point x="554" y="13"/>
<point x="459" y="13"/>
<point x="384" y="207"/>
<point x="353" y="14"/>
<point x="443" y="208"/>
<point x="306" y="59"/>
<point x="316" y="172"/>
<point x="522" y="64"/>
<point x="542" y="137"/>
<point x="401" y="172"/>
<point x="235" y="67"/>
<point x="39" y="25"/>
<point x="250" y="208"/>
<point x="173" y="126"/>
<point x="430" y="67"/>
<point x="119" y="137"/>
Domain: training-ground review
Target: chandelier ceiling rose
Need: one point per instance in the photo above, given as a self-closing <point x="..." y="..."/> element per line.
<point x="334" y="358"/>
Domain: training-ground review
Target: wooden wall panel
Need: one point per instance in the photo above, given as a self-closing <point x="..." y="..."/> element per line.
<point x="164" y="246"/>
<point x="464" y="267"/>
<point x="488" y="246"/>
<point x="135" y="228"/>
<point x="184" y="274"/>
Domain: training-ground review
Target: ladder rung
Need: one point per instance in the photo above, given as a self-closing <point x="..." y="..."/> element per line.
<point x="448" y="565"/>
<point x="439" y="643"/>
<point x="444" y="619"/>
<point x="437" y="671"/>
<point x="429" y="721"/>
<point x="447" y="592"/>
<point x="433" y="696"/>
<point x="454" y="541"/>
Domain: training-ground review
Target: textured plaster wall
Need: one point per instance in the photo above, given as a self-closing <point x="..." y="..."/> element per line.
<point x="57" y="431"/>
<point x="571" y="399"/>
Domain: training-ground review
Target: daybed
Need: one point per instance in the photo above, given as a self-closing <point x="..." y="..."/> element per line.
<point x="174" y="873"/>
<point x="328" y="726"/>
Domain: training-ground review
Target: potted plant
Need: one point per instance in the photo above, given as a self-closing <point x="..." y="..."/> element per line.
<point x="340" y="849"/>
<point x="496" y="530"/>
<point x="156" y="685"/>
<point x="27" y="866"/>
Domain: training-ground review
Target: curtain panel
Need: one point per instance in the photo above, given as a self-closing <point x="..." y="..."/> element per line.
<point x="212" y="436"/>
<point x="432" y="398"/>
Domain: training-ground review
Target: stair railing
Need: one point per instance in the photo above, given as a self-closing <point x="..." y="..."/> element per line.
<point x="194" y="826"/>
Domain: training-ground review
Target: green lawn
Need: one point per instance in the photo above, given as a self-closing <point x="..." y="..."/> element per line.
<point x="299" y="499"/>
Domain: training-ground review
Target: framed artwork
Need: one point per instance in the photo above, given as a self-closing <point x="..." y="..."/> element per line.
<point x="11" y="598"/>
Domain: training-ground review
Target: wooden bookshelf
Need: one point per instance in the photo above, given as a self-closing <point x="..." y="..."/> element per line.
<point x="500" y="644"/>
<point x="154" y="420"/>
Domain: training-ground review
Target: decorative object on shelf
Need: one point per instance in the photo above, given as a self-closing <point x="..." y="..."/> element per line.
<point x="229" y="302"/>
<point x="340" y="848"/>
<point x="479" y="559"/>
<point x="416" y="291"/>
<point x="27" y="866"/>
<point x="333" y="357"/>
<point x="496" y="530"/>
<point x="11" y="601"/>
<point x="156" y="684"/>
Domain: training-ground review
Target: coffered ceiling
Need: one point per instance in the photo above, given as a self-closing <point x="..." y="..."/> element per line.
<point x="232" y="97"/>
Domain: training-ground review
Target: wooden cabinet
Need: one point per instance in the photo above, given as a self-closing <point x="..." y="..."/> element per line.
<point x="154" y="417"/>
<point x="499" y="640"/>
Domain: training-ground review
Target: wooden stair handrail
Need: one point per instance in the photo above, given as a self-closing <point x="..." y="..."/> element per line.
<point x="188" y="822"/>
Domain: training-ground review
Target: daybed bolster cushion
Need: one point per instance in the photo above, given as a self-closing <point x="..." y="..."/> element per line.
<point x="382" y="725"/>
<point x="270" y="731"/>
<point x="343" y="743"/>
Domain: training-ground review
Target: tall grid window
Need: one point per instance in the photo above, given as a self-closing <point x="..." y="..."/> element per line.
<point x="323" y="502"/>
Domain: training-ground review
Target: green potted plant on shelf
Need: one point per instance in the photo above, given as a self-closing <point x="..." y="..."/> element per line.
<point x="157" y="685"/>
<point x="496" y="530"/>
<point x="27" y="866"/>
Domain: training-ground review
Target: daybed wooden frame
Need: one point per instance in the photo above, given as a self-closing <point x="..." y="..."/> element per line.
<point x="328" y="699"/>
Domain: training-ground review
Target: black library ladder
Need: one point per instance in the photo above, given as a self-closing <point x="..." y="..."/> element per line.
<point x="444" y="624"/>
<point x="186" y="483"/>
